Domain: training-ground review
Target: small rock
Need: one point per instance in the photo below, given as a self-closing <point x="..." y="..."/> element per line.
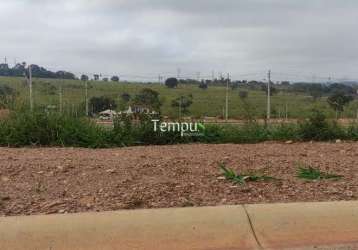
<point x="289" y="142"/>
<point x="338" y="141"/>
<point x="349" y="193"/>
<point x="5" y="198"/>
<point x="111" y="171"/>
<point x="221" y="178"/>
<point x="62" y="211"/>
<point x="5" y="179"/>
<point x="41" y="172"/>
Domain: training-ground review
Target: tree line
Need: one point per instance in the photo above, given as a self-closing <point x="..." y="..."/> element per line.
<point x="21" y="69"/>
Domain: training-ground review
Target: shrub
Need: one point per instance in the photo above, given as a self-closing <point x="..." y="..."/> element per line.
<point x="317" y="128"/>
<point x="284" y="132"/>
<point x="127" y="132"/>
<point x="171" y="82"/>
<point x="21" y="129"/>
<point x="184" y="102"/>
<point x="148" y="98"/>
<point x="248" y="133"/>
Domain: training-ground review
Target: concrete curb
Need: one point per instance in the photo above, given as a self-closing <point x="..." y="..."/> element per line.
<point x="164" y="229"/>
<point x="327" y="225"/>
<point x="267" y="226"/>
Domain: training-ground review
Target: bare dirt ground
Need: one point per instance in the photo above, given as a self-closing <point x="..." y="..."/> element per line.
<point x="66" y="180"/>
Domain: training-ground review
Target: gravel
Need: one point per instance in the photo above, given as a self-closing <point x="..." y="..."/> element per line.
<point x="69" y="180"/>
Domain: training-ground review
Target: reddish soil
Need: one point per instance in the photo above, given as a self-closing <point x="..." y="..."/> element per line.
<point x="66" y="180"/>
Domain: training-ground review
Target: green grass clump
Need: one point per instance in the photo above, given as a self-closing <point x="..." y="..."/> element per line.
<point x="310" y="173"/>
<point x="243" y="178"/>
<point x="41" y="129"/>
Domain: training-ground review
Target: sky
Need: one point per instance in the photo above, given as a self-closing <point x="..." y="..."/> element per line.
<point x="308" y="39"/>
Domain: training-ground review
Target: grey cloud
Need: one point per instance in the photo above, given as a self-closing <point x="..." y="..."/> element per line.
<point x="155" y="36"/>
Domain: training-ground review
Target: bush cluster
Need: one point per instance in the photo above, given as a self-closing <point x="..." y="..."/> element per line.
<point x="53" y="129"/>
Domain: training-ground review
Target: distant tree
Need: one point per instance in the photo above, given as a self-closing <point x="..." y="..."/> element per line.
<point x="148" y="98"/>
<point x="125" y="97"/>
<point x="171" y="82"/>
<point x="249" y="110"/>
<point x="316" y="91"/>
<point x="20" y="69"/>
<point x="342" y="88"/>
<point x="99" y="104"/>
<point x="65" y="75"/>
<point x="338" y="101"/>
<point x="115" y="79"/>
<point x="273" y="90"/>
<point x="96" y="77"/>
<point x="184" y="102"/>
<point x="84" y="78"/>
<point x="4" y="70"/>
<point x="203" y="85"/>
<point x="105" y="79"/>
<point x="285" y="83"/>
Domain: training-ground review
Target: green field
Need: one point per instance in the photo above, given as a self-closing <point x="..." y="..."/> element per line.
<point x="210" y="102"/>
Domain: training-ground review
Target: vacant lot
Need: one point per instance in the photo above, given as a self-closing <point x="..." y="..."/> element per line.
<point x="66" y="180"/>
<point x="210" y="102"/>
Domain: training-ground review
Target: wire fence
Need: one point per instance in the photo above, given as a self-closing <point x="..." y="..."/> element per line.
<point x="69" y="96"/>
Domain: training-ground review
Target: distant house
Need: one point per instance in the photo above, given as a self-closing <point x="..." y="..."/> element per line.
<point x="139" y="110"/>
<point x="107" y="115"/>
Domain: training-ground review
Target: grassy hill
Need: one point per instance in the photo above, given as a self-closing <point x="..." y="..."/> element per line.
<point x="210" y="102"/>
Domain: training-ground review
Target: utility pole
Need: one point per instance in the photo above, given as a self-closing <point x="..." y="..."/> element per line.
<point x="160" y="79"/>
<point x="198" y="76"/>
<point x="269" y="96"/>
<point x="180" y="104"/>
<point x="30" y="86"/>
<point x="61" y="107"/>
<point x="178" y="73"/>
<point x="227" y="98"/>
<point x="86" y="86"/>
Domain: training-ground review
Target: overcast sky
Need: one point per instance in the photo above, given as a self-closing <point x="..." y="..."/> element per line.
<point x="149" y="37"/>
